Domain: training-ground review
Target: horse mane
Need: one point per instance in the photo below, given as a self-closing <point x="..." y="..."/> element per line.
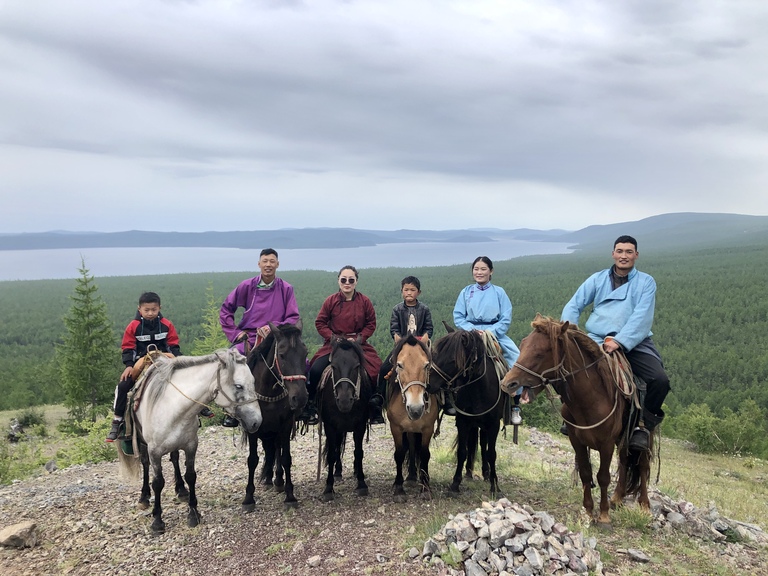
<point x="165" y="367"/>
<point x="344" y="344"/>
<point x="288" y="331"/>
<point x="460" y="345"/>
<point x="584" y="344"/>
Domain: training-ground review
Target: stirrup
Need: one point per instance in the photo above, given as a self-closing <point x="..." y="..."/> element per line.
<point x="517" y="418"/>
<point x="640" y="440"/>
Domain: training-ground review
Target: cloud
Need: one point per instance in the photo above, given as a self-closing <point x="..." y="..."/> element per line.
<point x="341" y="111"/>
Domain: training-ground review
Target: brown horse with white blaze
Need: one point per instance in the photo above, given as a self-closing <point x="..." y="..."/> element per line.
<point x="411" y="411"/>
<point x="559" y="355"/>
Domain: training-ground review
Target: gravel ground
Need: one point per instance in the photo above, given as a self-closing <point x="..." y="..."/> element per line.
<point x="89" y="522"/>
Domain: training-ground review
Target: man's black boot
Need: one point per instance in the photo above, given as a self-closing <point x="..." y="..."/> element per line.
<point x="375" y="404"/>
<point x="230" y="422"/>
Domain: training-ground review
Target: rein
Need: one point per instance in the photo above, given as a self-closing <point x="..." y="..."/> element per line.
<point x="449" y="385"/>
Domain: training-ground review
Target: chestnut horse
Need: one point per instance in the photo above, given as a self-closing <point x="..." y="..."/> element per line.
<point x="594" y="408"/>
<point x="411" y="411"/>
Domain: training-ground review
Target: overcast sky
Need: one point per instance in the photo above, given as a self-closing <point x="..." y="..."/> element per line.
<point x="243" y="115"/>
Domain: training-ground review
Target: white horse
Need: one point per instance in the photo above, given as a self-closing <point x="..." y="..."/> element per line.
<point x="166" y="420"/>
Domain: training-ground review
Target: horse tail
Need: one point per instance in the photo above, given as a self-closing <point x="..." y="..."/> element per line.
<point x="638" y="468"/>
<point x="129" y="466"/>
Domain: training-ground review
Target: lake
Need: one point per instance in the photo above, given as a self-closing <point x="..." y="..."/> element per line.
<point x="101" y="262"/>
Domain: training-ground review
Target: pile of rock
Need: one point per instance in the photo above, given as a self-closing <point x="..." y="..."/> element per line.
<point x="706" y="524"/>
<point x="509" y="539"/>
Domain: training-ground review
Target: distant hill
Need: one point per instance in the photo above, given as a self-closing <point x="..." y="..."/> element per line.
<point x="666" y="231"/>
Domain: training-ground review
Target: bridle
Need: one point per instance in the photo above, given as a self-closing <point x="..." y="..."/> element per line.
<point x="465" y="370"/>
<point x="548" y="384"/>
<point x="424" y="384"/>
<point x="280" y="378"/>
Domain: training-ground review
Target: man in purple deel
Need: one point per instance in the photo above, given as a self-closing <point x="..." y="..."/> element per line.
<point x="265" y="299"/>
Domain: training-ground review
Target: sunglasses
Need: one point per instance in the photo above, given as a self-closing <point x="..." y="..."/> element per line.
<point x="347" y="280"/>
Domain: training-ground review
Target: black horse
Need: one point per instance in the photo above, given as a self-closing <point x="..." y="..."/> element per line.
<point x="279" y="366"/>
<point x="462" y="367"/>
<point x="342" y="400"/>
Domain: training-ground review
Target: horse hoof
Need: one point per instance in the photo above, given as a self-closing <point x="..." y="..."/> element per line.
<point x="182" y="496"/>
<point x="158" y="527"/>
<point x="603" y="525"/>
<point x="280" y="489"/>
<point x="361" y="491"/>
<point x="410" y="483"/>
<point x="143" y="504"/>
<point x="327" y="496"/>
<point x="293" y="505"/>
<point x="338" y="479"/>
<point x="193" y="519"/>
<point x="400" y="498"/>
<point x="248" y="507"/>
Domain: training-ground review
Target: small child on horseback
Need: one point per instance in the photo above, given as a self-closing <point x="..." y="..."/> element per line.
<point x="149" y="329"/>
<point x="408" y="316"/>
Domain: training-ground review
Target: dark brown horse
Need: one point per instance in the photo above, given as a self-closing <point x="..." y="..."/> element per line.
<point x="279" y="366"/>
<point x="595" y="410"/>
<point x="342" y="406"/>
<point x="461" y="365"/>
<point x="411" y="411"/>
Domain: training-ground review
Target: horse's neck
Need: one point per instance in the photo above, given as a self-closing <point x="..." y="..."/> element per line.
<point x="583" y="364"/>
<point x="197" y="381"/>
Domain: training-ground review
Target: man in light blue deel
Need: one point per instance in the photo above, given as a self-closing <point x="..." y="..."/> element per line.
<point x="624" y="300"/>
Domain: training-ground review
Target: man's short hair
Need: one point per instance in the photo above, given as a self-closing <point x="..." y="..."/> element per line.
<point x="269" y="252"/>
<point x="411" y="280"/>
<point x="625" y="240"/>
<point x="149" y="298"/>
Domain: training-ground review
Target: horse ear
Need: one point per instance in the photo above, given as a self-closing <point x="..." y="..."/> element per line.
<point x="564" y="327"/>
<point x="359" y="339"/>
<point x="272" y="327"/>
<point x="448" y="327"/>
<point x="425" y="339"/>
<point x="299" y="324"/>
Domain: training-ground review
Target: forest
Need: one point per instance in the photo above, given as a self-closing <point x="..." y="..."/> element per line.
<point x="711" y="322"/>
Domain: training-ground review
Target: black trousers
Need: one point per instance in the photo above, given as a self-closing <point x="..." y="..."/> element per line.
<point x="651" y="370"/>
<point x="316" y="374"/>
<point x="121" y="396"/>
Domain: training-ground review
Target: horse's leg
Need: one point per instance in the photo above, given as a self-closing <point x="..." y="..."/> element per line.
<point x="463" y="434"/>
<point x="584" y="468"/>
<point x="400" y="439"/>
<point x="470" y="450"/>
<point x="249" y="504"/>
<point x="190" y="475"/>
<point x="644" y="465"/>
<point x="603" y="480"/>
<point x="359" y="435"/>
<point x="279" y="469"/>
<point x="286" y="462"/>
<point x="181" y="489"/>
<point x="268" y="443"/>
<point x="337" y="462"/>
<point x="424" y="456"/>
<point x="158" y="482"/>
<point x="488" y="446"/>
<point x="145" y="492"/>
<point x="621" y="481"/>
<point x="333" y="448"/>
<point x="484" y="464"/>
<point x="410" y="446"/>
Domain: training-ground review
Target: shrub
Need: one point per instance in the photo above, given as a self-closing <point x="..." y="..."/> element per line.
<point x="90" y="446"/>
<point x="30" y="417"/>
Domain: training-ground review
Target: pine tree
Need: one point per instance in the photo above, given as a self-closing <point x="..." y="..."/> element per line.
<point x="88" y="367"/>
<point x="213" y="338"/>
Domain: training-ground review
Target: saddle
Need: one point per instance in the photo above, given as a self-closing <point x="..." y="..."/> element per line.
<point x="141" y="372"/>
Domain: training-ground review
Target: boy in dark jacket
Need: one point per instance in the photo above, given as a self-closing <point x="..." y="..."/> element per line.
<point x="148" y="328"/>
<point x="408" y="316"/>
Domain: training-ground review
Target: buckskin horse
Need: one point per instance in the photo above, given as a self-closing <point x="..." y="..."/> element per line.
<point x="342" y="402"/>
<point x="594" y="408"/>
<point x="279" y="365"/>
<point x="461" y="366"/>
<point x="411" y="411"/>
<point x="166" y="418"/>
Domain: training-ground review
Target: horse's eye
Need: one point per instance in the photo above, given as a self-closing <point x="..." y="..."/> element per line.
<point x="400" y="365"/>
<point x="238" y="386"/>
